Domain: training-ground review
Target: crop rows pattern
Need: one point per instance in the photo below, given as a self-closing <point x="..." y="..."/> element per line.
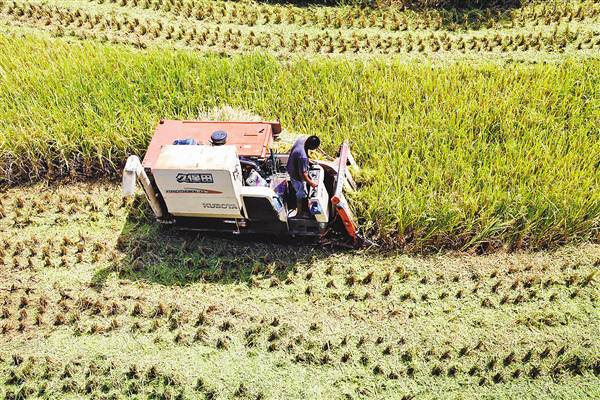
<point x="388" y="303"/>
<point x="236" y="34"/>
<point x="392" y="19"/>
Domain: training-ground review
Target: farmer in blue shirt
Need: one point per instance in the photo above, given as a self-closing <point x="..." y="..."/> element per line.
<point x="297" y="168"/>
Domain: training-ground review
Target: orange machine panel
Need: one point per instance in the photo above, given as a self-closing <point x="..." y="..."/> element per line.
<point x="251" y="138"/>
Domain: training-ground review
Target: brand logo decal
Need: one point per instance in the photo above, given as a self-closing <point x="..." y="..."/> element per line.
<point x="193" y="190"/>
<point x="194" y="178"/>
<point x="225" y="206"/>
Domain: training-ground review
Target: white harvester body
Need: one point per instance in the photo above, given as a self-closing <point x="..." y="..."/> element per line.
<point x="200" y="181"/>
<point x="195" y="177"/>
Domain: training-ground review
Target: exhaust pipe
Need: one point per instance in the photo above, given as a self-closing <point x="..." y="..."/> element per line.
<point x="133" y="172"/>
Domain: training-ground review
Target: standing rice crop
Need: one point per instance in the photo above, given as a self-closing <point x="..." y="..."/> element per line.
<point x="459" y="155"/>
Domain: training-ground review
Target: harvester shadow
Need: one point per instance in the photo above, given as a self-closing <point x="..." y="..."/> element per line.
<point x="161" y="254"/>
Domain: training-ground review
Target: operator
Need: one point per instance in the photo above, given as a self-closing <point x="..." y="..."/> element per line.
<point x="297" y="168"/>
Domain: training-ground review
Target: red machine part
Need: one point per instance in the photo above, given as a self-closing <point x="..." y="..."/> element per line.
<point x="338" y="200"/>
<point x="251" y="138"/>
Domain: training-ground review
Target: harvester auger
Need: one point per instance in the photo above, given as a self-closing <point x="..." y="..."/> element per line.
<point x="225" y="177"/>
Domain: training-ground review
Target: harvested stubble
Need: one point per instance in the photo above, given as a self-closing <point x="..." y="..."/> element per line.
<point x="165" y="324"/>
<point x="387" y="18"/>
<point x="457" y="156"/>
<point x="574" y="35"/>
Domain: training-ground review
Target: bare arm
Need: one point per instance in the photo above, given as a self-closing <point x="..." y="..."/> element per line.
<point x="308" y="180"/>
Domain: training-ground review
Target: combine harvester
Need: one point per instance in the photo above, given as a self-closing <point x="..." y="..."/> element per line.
<point x="225" y="177"/>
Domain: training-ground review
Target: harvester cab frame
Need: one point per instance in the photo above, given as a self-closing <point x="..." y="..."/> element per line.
<point x="225" y="177"/>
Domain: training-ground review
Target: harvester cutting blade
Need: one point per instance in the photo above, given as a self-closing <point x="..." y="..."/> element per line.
<point x="338" y="199"/>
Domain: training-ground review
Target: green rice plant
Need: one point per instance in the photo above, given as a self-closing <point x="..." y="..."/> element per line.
<point x="479" y="208"/>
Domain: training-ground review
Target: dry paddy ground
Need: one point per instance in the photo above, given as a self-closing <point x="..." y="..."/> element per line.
<point x="97" y="301"/>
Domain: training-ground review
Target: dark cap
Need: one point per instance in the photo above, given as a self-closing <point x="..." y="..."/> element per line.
<point x="218" y="138"/>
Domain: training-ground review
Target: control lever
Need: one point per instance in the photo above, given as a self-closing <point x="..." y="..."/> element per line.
<point x="318" y="198"/>
<point x="314" y="175"/>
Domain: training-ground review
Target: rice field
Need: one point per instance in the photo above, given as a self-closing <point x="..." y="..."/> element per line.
<point x="477" y="130"/>
<point x="538" y="30"/>
<point x="97" y="302"/>
<point x="471" y="156"/>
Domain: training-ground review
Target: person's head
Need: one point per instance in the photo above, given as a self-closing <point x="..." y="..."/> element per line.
<point x="312" y="143"/>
